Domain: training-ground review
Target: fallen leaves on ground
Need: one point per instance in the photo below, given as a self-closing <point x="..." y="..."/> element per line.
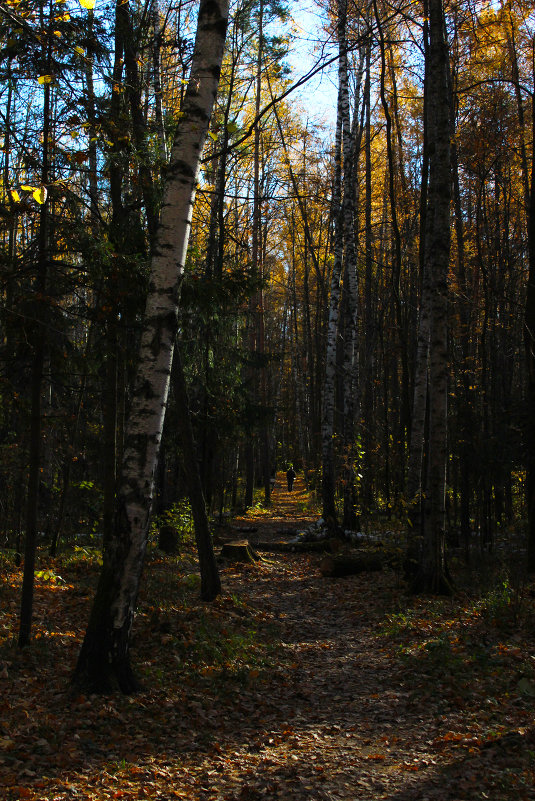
<point x="290" y="686"/>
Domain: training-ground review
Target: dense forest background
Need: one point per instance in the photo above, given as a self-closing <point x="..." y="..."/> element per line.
<point x="310" y="329"/>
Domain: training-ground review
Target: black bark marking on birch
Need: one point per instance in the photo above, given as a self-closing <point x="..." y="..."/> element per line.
<point x="198" y="113"/>
<point x="208" y="9"/>
<point x="145" y="390"/>
<point x="161" y="292"/>
<point x="181" y="167"/>
<point x="169" y="323"/>
<point x="163" y="250"/>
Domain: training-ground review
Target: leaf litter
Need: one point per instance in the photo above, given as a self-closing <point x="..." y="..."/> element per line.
<point x="290" y="686"/>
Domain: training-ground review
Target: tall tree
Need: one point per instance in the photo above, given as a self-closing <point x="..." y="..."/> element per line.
<point x="105" y="654"/>
<point x="329" y="384"/>
<point x="432" y="569"/>
<point x="529" y="340"/>
<point x="38" y="340"/>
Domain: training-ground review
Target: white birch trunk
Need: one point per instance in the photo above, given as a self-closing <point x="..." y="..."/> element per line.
<point x="105" y="651"/>
<point x="327" y="428"/>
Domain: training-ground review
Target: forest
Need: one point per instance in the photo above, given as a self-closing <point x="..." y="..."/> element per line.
<point x="206" y="278"/>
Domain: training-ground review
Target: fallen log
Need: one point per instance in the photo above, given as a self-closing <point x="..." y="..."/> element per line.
<point x="312" y="546"/>
<point x="244" y="529"/>
<point x="348" y="565"/>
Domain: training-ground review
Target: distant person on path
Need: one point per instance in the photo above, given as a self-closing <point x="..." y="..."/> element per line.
<point x="290" y="476"/>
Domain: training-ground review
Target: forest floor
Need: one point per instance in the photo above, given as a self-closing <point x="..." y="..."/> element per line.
<point x="290" y="686"/>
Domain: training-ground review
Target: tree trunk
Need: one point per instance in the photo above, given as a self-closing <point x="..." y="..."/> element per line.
<point x="414" y="483"/>
<point x="351" y="364"/>
<point x="39" y="335"/>
<point x="104" y="658"/>
<point x="529" y="341"/>
<point x="329" y="385"/>
<point x="210" y="581"/>
<point x="370" y="329"/>
<point x="158" y="33"/>
<point x="433" y="571"/>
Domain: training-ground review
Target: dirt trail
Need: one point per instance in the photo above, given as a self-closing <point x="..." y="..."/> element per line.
<point x="287" y="510"/>
<point x="328" y="712"/>
<point x="339" y="724"/>
<point x="335" y="722"/>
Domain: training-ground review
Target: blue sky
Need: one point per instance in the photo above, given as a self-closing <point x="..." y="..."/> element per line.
<point x="318" y="96"/>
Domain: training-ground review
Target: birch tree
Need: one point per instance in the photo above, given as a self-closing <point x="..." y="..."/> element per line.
<point x="342" y="130"/>
<point x="104" y="659"/>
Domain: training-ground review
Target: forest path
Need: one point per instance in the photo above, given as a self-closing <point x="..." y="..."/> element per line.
<point x="334" y="721"/>
<point x="289" y="511"/>
<point x="289" y="687"/>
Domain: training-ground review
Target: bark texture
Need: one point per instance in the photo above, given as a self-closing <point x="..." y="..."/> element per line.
<point x="327" y="427"/>
<point x="529" y="340"/>
<point x="104" y="659"/>
<point x="432" y="575"/>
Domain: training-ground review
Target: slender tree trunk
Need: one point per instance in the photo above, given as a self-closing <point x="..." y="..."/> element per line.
<point x="467" y="380"/>
<point x="39" y="331"/>
<point x="529" y="340"/>
<point x="370" y="335"/>
<point x="257" y="268"/>
<point x="351" y="391"/>
<point x="393" y="193"/>
<point x="104" y="658"/>
<point x="117" y="236"/>
<point x="414" y="484"/>
<point x="133" y="90"/>
<point x="157" y="80"/>
<point x="210" y="581"/>
<point x="433" y="569"/>
<point x="329" y="385"/>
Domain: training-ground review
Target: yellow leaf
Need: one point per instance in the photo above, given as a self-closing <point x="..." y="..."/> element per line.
<point x="28" y="188"/>
<point x="40" y="195"/>
<point x="79" y="50"/>
<point x="212" y="135"/>
<point x="89" y="4"/>
<point x="15" y="196"/>
<point x="45" y="79"/>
